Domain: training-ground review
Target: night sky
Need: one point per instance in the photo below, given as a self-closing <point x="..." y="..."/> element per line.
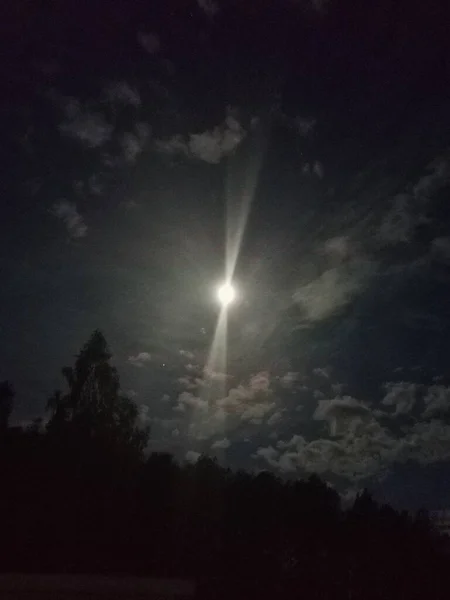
<point x="152" y="149"/>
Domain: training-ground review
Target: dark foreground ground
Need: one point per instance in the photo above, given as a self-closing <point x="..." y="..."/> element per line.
<point x="79" y="587"/>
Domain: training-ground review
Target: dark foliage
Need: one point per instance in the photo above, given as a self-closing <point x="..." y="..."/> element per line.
<point x="6" y="404"/>
<point x="81" y="497"/>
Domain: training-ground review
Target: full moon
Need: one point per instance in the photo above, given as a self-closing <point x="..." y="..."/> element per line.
<point x="226" y="294"/>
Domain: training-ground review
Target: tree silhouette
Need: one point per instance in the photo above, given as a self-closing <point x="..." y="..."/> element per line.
<point x="6" y="404"/>
<point x="79" y="496"/>
<point x="94" y="407"/>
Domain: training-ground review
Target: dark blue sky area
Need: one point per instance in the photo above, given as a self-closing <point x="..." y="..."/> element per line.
<point x="147" y="144"/>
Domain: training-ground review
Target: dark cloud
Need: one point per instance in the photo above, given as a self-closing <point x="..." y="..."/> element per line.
<point x="437" y="401"/>
<point x="409" y="209"/>
<point x="150" y="42"/>
<point x="209" y="7"/>
<point x="122" y="93"/>
<point x="69" y="215"/>
<point x="133" y="143"/>
<point x="87" y="127"/>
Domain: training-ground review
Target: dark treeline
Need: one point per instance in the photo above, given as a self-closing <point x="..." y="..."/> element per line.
<point x="83" y="496"/>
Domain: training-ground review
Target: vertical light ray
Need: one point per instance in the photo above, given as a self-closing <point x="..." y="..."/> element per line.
<point x="239" y="198"/>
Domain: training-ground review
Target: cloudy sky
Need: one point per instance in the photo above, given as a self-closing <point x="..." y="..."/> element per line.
<point x="303" y="147"/>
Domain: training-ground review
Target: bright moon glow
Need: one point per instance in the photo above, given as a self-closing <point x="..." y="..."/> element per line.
<point x="226" y="294"/>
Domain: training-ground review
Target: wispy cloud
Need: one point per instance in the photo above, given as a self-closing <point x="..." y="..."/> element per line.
<point x="341" y="413"/>
<point x="250" y="402"/>
<point x="140" y="359"/>
<point x="133" y="142"/>
<point x="440" y="249"/>
<point x="188" y="400"/>
<point x="320" y="6"/>
<point x="305" y="126"/>
<point x="438" y="177"/>
<point x="221" y="444"/>
<point x="150" y="42"/>
<point x="68" y="213"/>
<point x="437" y="401"/>
<point x="322" y="372"/>
<point x="289" y="379"/>
<point x="402" y="395"/>
<point x="408" y="209"/>
<point x="144" y="417"/>
<point x="269" y="454"/>
<point x="121" y="93"/>
<point x="314" y="168"/>
<point x="400" y="222"/>
<point x="275" y="418"/>
<point x="210" y="146"/>
<point x="333" y="289"/>
<point x="248" y="405"/>
<point x="88" y="127"/>
<point x="209" y="7"/>
<point x="192" y="456"/>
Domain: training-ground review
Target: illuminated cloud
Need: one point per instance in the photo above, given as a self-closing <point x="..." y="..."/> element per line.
<point x="331" y="291"/>
<point x="192" y="456"/>
<point x="186" y="399"/>
<point x="140" y="359"/>
<point x="269" y="454"/>
<point x="210" y="146"/>
<point x="402" y="396"/>
<point x="340" y="413"/>
<point x="289" y="379"/>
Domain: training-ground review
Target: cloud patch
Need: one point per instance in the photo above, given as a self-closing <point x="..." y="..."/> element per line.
<point x="188" y="400"/>
<point x="140" y="360"/>
<point x="133" y="142"/>
<point x="333" y="289"/>
<point x="437" y="401"/>
<point x="341" y="413"/>
<point x="121" y="93"/>
<point x="209" y="7"/>
<point x="221" y="444"/>
<point x="408" y="209"/>
<point x="210" y="146"/>
<point x="149" y="42"/>
<point x="67" y="212"/>
<point x="87" y="127"/>
<point x="402" y="396"/>
<point x="192" y="456"/>
<point x="289" y="379"/>
<point x="364" y="452"/>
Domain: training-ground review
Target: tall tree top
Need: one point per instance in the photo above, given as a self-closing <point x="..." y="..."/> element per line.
<point x="95" y="350"/>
